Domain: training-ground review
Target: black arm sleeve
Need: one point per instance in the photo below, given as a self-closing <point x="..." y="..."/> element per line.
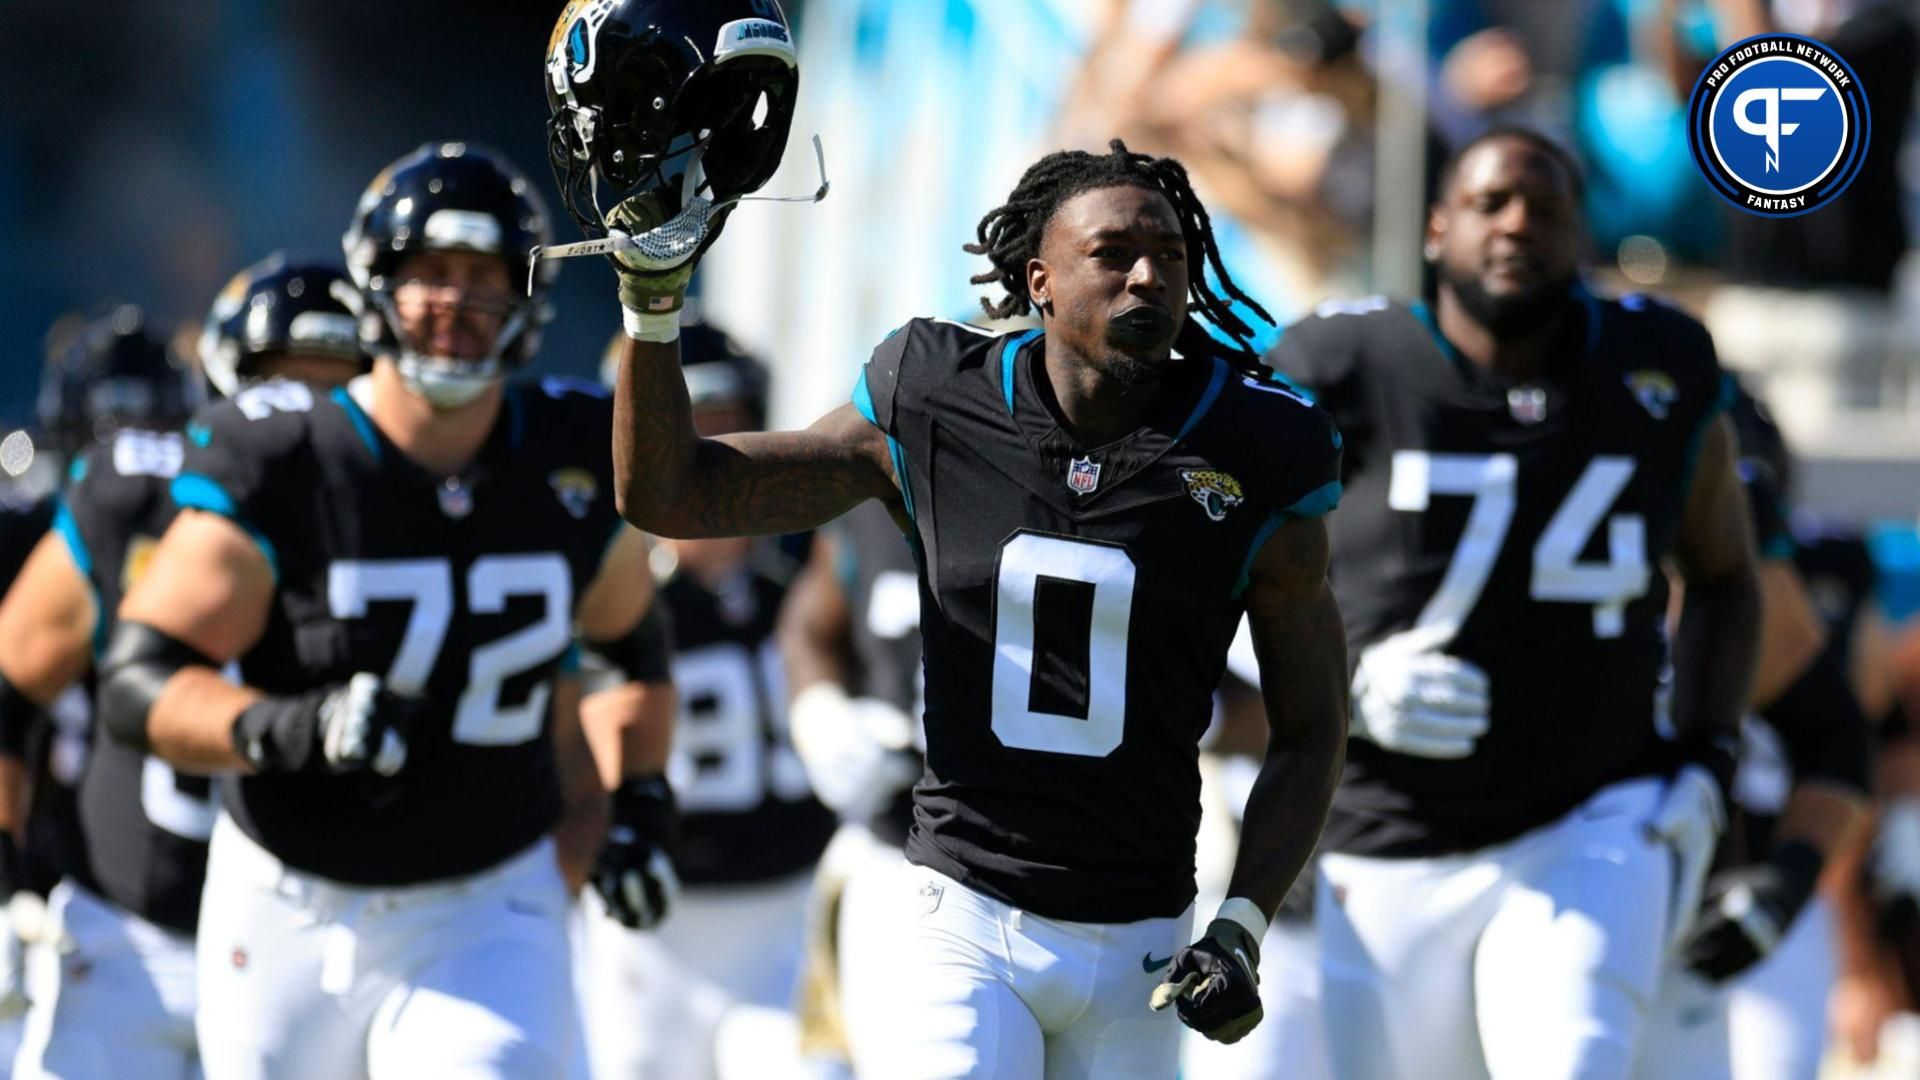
<point x="138" y="662"/>
<point x="643" y="655"/>
<point x="1825" y="732"/>
<point x="18" y="716"/>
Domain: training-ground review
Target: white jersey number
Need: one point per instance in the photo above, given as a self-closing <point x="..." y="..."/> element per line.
<point x="1024" y="561"/>
<point x="1558" y="574"/>
<point x="731" y="751"/>
<point x="427" y="586"/>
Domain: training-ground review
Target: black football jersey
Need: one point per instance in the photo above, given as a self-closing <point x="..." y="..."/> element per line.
<point x="1519" y="526"/>
<point x="461" y="592"/>
<point x="146" y="826"/>
<point x="56" y="750"/>
<point x="882" y="586"/>
<point x="1076" y="607"/>
<point x="747" y="813"/>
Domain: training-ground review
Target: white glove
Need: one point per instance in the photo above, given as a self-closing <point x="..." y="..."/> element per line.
<point x="1689" y="821"/>
<point x="13" y="974"/>
<point x="24" y="919"/>
<point x="858" y="752"/>
<point x="1418" y="702"/>
<point x="1896" y="849"/>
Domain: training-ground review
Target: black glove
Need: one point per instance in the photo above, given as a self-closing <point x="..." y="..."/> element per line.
<point x="352" y="727"/>
<point x="1215" y="983"/>
<point x="633" y="873"/>
<point x="1747" y="911"/>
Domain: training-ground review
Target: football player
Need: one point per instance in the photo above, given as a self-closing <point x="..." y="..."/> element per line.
<point x="399" y="568"/>
<point x="1514" y="844"/>
<point x="1092" y="513"/>
<point x="113" y="987"/>
<point x="850" y="637"/>
<point x="1748" y="998"/>
<point x="102" y="375"/>
<point x="662" y="1004"/>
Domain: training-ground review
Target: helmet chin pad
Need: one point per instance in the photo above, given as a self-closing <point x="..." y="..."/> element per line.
<point x="447" y="383"/>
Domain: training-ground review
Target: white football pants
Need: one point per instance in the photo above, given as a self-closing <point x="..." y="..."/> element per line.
<point x="113" y="999"/>
<point x="662" y="1004"/>
<point x="302" y="977"/>
<point x="1537" y="958"/>
<point x="1770" y="1023"/>
<point x="982" y="989"/>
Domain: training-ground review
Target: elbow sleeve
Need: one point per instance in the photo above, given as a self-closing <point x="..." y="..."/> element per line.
<point x="1826" y="733"/>
<point x="643" y="655"/>
<point x="134" y="670"/>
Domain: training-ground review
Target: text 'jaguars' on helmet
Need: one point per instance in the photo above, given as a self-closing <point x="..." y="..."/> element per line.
<point x="279" y="306"/>
<point x="111" y="372"/>
<point x="646" y="93"/>
<point x="449" y="196"/>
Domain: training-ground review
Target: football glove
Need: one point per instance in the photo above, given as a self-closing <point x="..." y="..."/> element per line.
<point x="858" y="752"/>
<point x="655" y="269"/>
<point x="353" y="727"/>
<point x="1214" y="984"/>
<point x="1417" y="702"/>
<point x="1749" y="910"/>
<point x="13" y="962"/>
<point x="1894" y="864"/>
<point x="633" y="873"/>
<point x="1689" y="819"/>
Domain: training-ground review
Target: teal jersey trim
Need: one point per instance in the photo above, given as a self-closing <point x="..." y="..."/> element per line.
<point x="1320" y="500"/>
<point x="1689" y="463"/>
<point x="1267" y="529"/>
<point x="358" y="416"/>
<point x="1212" y="394"/>
<point x="863" y="399"/>
<point x="863" y="403"/>
<point x="1007" y="355"/>
<point x="196" y="492"/>
<point x="69" y="530"/>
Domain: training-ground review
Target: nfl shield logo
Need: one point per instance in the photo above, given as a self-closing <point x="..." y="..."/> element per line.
<point x="1083" y="475"/>
<point x="1527" y="404"/>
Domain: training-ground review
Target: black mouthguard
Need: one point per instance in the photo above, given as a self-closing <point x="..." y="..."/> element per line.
<point x="1143" y="327"/>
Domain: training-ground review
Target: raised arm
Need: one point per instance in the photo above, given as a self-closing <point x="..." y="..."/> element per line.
<point x="671" y="482"/>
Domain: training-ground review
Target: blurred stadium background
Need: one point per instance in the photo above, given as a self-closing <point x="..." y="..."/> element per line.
<point x="150" y="150"/>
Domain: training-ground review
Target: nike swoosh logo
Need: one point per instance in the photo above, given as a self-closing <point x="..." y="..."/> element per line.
<point x="1150" y="965"/>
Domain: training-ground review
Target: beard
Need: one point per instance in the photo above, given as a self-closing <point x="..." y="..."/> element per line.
<point x="1513" y="315"/>
<point x="1127" y="372"/>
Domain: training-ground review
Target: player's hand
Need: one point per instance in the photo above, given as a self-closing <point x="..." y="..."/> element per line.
<point x="353" y="727"/>
<point x="1749" y="910"/>
<point x="633" y="873"/>
<point x="1214" y="983"/>
<point x="13" y="950"/>
<point x="1689" y="820"/>
<point x="858" y="752"/>
<point x="1417" y="702"/>
<point x="654" y="275"/>
<point x="1894" y="864"/>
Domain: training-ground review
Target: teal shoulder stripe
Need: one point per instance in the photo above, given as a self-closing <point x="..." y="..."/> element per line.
<point x="1211" y="395"/>
<point x="863" y="399"/>
<point x="69" y="531"/>
<point x="197" y="492"/>
<point x="1729" y="391"/>
<point x="1007" y="355"/>
<point x="358" y="416"/>
<point x="1314" y="503"/>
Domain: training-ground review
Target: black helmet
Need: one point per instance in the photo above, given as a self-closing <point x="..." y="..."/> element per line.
<point x="276" y="306"/>
<point x="449" y="197"/>
<point x="641" y="90"/>
<point x="108" y="373"/>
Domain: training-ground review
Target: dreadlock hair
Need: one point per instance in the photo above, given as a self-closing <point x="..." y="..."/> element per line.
<point x="1009" y="236"/>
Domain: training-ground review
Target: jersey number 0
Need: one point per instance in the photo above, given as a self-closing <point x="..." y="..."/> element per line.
<point x="1029" y="563"/>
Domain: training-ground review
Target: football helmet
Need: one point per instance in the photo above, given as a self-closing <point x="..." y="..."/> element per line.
<point x="108" y="373"/>
<point x="449" y="197"/>
<point x="279" y="306"/>
<point x="676" y="98"/>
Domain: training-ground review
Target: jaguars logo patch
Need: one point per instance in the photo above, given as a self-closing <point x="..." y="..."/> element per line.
<point x="576" y="489"/>
<point x="1654" y="390"/>
<point x="1216" y="492"/>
